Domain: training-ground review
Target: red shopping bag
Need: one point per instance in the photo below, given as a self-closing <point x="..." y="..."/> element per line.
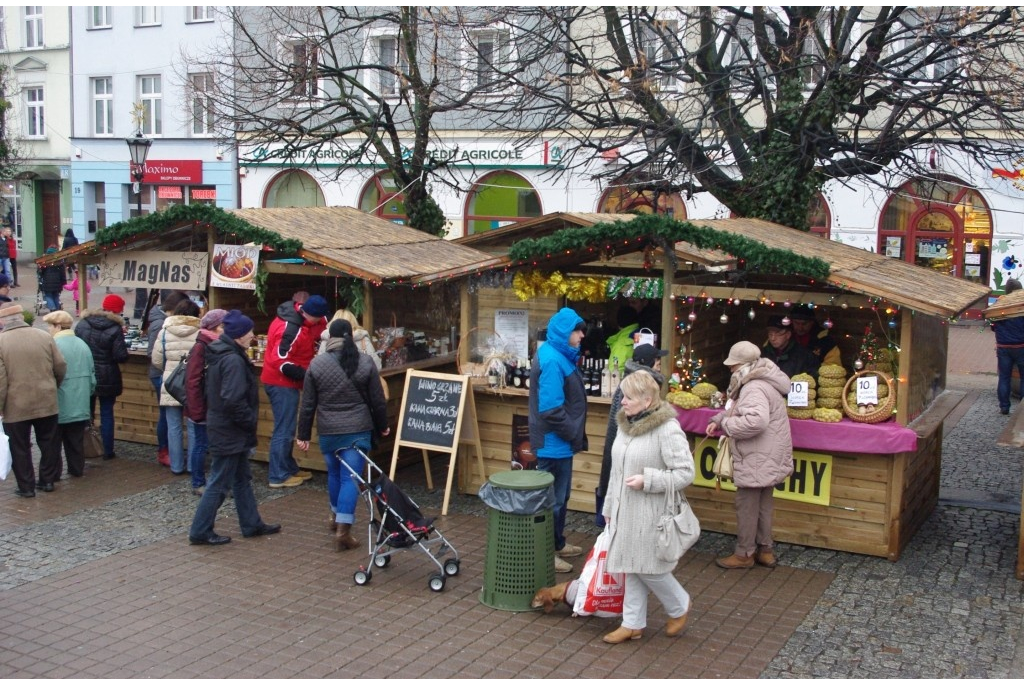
<point x="599" y="593"/>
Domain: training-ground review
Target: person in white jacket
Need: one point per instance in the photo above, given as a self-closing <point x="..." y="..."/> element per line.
<point x="172" y="345"/>
<point x="649" y="456"/>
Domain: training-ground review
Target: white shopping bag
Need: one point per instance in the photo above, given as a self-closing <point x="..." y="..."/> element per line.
<point x="5" y="453"/>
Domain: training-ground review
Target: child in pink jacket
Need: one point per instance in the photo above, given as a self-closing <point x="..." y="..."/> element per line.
<point x="73" y="287"/>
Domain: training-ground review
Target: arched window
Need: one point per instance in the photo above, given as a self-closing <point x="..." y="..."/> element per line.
<point x="381" y="197"/>
<point x="498" y="199"/>
<point x="819" y="218"/>
<point x="941" y="224"/>
<point x="294" y="189"/>
<point x="637" y="196"/>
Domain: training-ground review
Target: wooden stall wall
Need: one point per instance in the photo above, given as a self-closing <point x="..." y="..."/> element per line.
<point x="484" y="302"/>
<point x="432" y="309"/>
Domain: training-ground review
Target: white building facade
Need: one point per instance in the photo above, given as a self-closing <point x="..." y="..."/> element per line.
<point x="34" y="47"/>
<point x="130" y="77"/>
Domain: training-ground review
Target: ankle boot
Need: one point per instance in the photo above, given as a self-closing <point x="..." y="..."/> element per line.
<point x="332" y="525"/>
<point x="343" y="538"/>
<point x="735" y="561"/>
<point x="163" y="457"/>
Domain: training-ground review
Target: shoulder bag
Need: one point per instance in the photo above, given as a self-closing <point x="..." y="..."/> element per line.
<point x="176" y="382"/>
<point x="722" y="468"/>
<point x="678" y="528"/>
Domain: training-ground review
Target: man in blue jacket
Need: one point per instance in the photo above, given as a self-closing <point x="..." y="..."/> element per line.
<point x="558" y="416"/>
<point x="1009" y="351"/>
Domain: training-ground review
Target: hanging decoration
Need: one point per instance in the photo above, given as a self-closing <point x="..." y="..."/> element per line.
<point x="530" y="284"/>
<point x="628" y="286"/>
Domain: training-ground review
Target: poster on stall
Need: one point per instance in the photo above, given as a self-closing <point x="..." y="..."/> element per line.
<point x="145" y="269"/>
<point x="512" y="327"/>
<point x="522" y="456"/>
<point x="234" y="266"/>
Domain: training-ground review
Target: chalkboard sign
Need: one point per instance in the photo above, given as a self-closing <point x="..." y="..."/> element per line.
<point x="438" y="412"/>
<point x="431" y="409"/>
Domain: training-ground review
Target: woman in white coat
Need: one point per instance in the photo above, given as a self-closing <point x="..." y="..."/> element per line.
<point x="650" y="454"/>
<point x="172" y="344"/>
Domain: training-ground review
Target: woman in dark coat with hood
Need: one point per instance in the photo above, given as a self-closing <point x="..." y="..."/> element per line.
<point x="103" y="331"/>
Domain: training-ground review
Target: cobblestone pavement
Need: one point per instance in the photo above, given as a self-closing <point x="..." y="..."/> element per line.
<point x="949" y="608"/>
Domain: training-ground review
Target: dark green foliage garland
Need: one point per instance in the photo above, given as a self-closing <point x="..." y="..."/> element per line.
<point x="226" y="224"/>
<point x="758" y="256"/>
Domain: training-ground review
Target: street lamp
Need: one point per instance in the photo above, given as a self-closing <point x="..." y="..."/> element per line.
<point x="138" y="148"/>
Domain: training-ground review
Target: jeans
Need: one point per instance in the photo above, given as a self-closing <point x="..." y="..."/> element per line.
<point x="161" y="423"/>
<point x="341" y="489"/>
<point x="561" y="469"/>
<point x="1006" y="359"/>
<point x="52" y="300"/>
<point x="175" y="439"/>
<point x="198" y="443"/>
<point x="106" y="421"/>
<point x="227" y="471"/>
<point x="5" y="264"/>
<point x="284" y="403"/>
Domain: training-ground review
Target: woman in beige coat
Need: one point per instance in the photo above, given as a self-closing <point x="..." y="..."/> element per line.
<point x="172" y="345"/>
<point x="757" y="424"/>
<point x="649" y="455"/>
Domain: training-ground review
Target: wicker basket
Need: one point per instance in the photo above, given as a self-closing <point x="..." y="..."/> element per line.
<point x="881" y="412"/>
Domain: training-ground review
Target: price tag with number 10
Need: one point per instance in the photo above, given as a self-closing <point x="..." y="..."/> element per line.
<point x="867" y="390"/>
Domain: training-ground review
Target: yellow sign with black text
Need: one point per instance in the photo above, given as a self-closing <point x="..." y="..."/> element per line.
<point x="811" y="481"/>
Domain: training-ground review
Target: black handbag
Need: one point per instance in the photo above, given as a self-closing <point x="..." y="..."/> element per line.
<point x="175" y="383"/>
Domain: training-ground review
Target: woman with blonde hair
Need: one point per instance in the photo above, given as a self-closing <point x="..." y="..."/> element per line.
<point x="360" y="336"/>
<point x="74" y="393"/>
<point x="649" y="456"/>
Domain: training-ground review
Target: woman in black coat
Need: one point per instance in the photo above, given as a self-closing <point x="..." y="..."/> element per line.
<point x="52" y="281"/>
<point x="103" y="331"/>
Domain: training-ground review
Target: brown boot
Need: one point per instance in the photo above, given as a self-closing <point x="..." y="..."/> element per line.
<point x="765" y="557"/>
<point x="620" y="635"/>
<point x="676" y="625"/>
<point x="332" y="525"/>
<point x="734" y="561"/>
<point x="343" y="538"/>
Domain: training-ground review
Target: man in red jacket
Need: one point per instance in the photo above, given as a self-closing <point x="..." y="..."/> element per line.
<point x="292" y="343"/>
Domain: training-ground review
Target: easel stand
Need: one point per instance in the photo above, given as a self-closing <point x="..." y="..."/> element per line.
<point x="438" y="414"/>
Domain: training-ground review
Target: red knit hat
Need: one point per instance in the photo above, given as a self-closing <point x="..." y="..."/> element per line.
<point x="113" y="303"/>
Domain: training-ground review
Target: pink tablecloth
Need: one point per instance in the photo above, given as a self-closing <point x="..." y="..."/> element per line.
<point x="845" y="436"/>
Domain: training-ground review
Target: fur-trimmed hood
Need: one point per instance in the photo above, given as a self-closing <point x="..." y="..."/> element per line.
<point x="645" y="424"/>
<point x="86" y="313"/>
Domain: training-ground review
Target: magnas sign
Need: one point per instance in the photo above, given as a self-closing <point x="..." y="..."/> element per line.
<point x="176" y="270"/>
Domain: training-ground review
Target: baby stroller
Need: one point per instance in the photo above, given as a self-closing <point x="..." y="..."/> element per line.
<point x="396" y="524"/>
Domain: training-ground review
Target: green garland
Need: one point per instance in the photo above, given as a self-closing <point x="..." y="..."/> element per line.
<point x="179" y="215"/>
<point x="758" y="256"/>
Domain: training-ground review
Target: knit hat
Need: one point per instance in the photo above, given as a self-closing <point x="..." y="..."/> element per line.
<point x="113" y="303"/>
<point x="315" y="306"/>
<point x="236" y="324"/>
<point x="802" y="312"/>
<point x="339" y="328"/>
<point x="647" y="354"/>
<point x="743" y="352"/>
<point x="213" y="318"/>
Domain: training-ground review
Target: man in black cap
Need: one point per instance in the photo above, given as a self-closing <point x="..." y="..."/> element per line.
<point x="808" y="333"/>
<point x="645" y="358"/>
<point x="784" y="351"/>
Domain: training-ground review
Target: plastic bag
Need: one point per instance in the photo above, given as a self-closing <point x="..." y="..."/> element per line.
<point x="523" y="502"/>
<point x="5" y="454"/>
<point x="600" y="593"/>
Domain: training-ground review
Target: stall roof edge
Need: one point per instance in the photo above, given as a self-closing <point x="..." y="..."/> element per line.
<point x="1006" y="307"/>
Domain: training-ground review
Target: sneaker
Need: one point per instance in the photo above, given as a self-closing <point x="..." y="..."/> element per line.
<point x="304" y="475"/>
<point x="562" y="566"/>
<point x="292" y="482"/>
<point x="570" y="551"/>
<point x="198" y="492"/>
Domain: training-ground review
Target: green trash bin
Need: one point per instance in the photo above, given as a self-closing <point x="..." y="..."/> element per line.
<point x="520" y="547"/>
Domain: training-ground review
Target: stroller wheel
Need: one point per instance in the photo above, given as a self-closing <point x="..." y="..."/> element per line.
<point x="451" y="567"/>
<point x="436" y="582"/>
<point x="382" y="561"/>
<point x="362" y="577"/>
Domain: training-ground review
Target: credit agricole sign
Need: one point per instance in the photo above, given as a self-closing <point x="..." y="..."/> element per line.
<point x="472" y="155"/>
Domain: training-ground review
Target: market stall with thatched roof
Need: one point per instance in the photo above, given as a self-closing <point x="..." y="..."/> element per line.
<point x="867" y="474"/>
<point x="389" y="275"/>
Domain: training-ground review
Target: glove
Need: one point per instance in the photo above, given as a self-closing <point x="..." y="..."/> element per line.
<point x="293" y="371"/>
